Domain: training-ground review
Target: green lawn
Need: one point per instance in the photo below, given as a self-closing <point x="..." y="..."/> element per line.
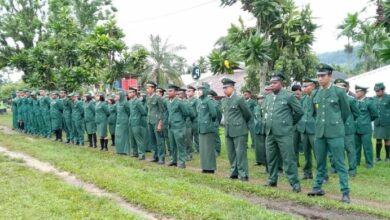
<point x="30" y="194"/>
<point x="192" y="195"/>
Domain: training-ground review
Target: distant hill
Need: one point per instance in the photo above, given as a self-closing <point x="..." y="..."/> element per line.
<point x="339" y="58"/>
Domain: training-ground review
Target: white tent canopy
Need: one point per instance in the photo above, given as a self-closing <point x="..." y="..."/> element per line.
<point x="369" y="79"/>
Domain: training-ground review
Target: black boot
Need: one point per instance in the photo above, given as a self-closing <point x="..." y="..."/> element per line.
<point x="102" y="142"/>
<point x="90" y="140"/>
<point x="94" y="140"/>
<point x="60" y="135"/>
<point x="378" y="149"/>
<point x="106" y="144"/>
<point x="387" y="148"/>
<point x="113" y="140"/>
<point x="56" y="134"/>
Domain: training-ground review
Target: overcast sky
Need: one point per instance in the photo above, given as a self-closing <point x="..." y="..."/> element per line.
<point x="197" y="24"/>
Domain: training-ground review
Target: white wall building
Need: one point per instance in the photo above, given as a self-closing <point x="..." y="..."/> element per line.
<point x="369" y="79"/>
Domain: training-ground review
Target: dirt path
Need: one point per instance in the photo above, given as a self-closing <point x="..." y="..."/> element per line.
<point x="308" y="212"/>
<point x="72" y="180"/>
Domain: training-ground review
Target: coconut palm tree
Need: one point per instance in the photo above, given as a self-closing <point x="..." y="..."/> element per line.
<point x="166" y="66"/>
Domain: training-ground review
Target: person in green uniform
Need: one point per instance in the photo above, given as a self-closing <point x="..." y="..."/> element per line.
<point x="382" y="123"/>
<point x="297" y="90"/>
<point x="350" y="130"/>
<point x="44" y="103"/>
<point x="102" y="113"/>
<point x="137" y="127"/>
<point x="282" y="111"/>
<point x="78" y="119"/>
<point x="122" y="144"/>
<point x="217" y="122"/>
<point x="368" y="113"/>
<point x="28" y="113"/>
<point x="155" y="110"/>
<point x="89" y="119"/>
<point x="112" y="118"/>
<point x="181" y="94"/>
<point x="56" y="109"/>
<point x="236" y="117"/>
<point x="306" y="126"/>
<point x="331" y="111"/>
<point x="14" y="109"/>
<point x="161" y="92"/>
<point x="193" y="101"/>
<point x="251" y="103"/>
<point x="67" y="115"/>
<point x="36" y="113"/>
<point x="207" y="114"/>
<point x="20" y="111"/>
<point x="259" y="138"/>
<point x="177" y="113"/>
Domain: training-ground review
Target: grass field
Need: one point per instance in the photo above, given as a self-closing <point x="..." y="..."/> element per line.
<point x="188" y="194"/>
<point x="29" y="194"/>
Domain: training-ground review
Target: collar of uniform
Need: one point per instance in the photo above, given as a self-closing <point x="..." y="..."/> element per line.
<point x="233" y="93"/>
<point x="330" y="85"/>
<point x="361" y="100"/>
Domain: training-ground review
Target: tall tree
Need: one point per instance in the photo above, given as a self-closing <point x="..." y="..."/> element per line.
<point x="164" y="60"/>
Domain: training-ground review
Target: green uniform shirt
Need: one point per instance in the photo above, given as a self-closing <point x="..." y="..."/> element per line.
<point x="368" y="113"/>
<point x="331" y="110"/>
<point x="383" y="107"/>
<point x="282" y="112"/>
<point x="236" y="116"/>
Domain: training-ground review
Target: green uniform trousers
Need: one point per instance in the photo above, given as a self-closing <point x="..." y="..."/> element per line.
<point x="137" y="141"/>
<point x="237" y="154"/>
<point x="308" y="148"/>
<point x="78" y="132"/>
<point x="156" y="141"/>
<point x="364" y="140"/>
<point x="297" y="144"/>
<point x="47" y="124"/>
<point x="207" y="151"/>
<point x="277" y="146"/>
<point x="217" y="141"/>
<point x="351" y="153"/>
<point x="68" y="129"/>
<point x="336" y="147"/>
<point x="260" y="154"/>
<point x="189" y="148"/>
<point x="178" y="145"/>
<point x="195" y="136"/>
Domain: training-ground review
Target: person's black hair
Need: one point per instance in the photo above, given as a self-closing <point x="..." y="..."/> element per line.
<point x="102" y="98"/>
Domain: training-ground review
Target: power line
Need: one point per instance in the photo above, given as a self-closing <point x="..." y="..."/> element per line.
<point x="171" y="13"/>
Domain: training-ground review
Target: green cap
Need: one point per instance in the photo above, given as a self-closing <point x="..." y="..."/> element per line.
<point x="360" y="88"/>
<point x="227" y="82"/>
<point x="323" y="69"/>
<point x="33" y="93"/>
<point x="54" y="93"/>
<point x="182" y="89"/>
<point x="70" y="94"/>
<point x="191" y="87"/>
<point x="76" y="94"/>
<point x="204" y="85"/>
<point x="161" y="89"/>
<point x="308" y="80"/>
<point x="341" y="82"/>
<point x="151" y="83"/>
<point x="172" y="86"/>
<point x="379" y="86"/>
<point x="277" y="77"/>
<point x="213" y="93"/>
<point x="131" y="88"/>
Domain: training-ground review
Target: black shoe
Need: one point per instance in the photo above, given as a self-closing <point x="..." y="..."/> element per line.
<point x="378" y="159"/>
<point x="316" y="192"/>
<point x="296" y="188"/>
<point x="182" y="166"/>
<point x="154" y="161"/>
<point x="161" y="162"/>
<point x="244" y="179"/>
<point x="345" y="198"/>
<point x="172" y="164"/>
<point x="67" y="142"/>
<point x="269" y="184"/>
<point x="233" y="177"/>
<point x="307" y="177"/>
<point x="326" y="180"/>
<point x="208" y="171"/>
